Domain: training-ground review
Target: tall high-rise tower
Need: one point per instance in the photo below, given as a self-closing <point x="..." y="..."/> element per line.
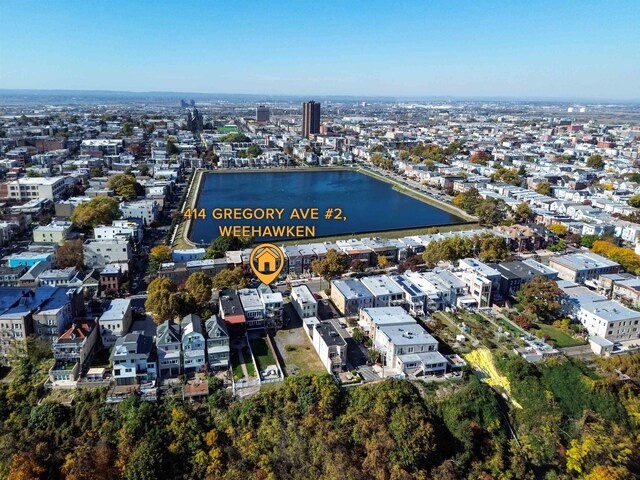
<point x="310" y="118"/>
<point x="262" y="113"/>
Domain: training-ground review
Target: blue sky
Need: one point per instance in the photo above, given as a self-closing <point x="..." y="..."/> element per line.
<point x="537" y="48"/>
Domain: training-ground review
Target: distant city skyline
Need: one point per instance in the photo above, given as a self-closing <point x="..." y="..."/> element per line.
<point x="573" y="50"/>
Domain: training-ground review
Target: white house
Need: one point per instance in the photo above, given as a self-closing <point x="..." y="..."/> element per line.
<point x="115" y="321"/>
<point x="304" y="302"/>
<point x="330" y="346"/>
<point x="133" y="359"/>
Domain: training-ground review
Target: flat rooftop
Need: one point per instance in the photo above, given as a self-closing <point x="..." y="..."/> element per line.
<point x="407" y="335"/>
<point x="389" y="316"/>
<point x="351" y="289"/>
<point x="583" y="261"/>
<point x="330" y="335"/>
<point x="303" y="294"/>
<point x="381" y="285"/>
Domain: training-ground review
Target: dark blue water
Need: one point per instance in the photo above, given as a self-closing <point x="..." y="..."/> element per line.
<point x="369" y="205"/>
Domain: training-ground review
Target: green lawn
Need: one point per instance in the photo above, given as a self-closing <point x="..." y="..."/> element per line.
<point x="559" y="338"/>
<point x="251" y="369"/>
<point x="236" y="365"/>
<point x="508" y="326"/>
<point x="263" y="355"/>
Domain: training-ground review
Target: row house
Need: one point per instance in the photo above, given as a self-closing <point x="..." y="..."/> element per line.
<point x="134" y="359"/>
<point x="583" y="266"/>
<point x="261" y="309"/>
<point x="72" y="352"/>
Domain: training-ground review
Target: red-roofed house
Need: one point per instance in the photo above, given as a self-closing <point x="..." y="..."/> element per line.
<point x="72" y="350"/>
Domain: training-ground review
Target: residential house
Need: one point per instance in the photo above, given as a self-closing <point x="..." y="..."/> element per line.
<point x="168" y="346"/>
<point x="304" y="302"/>
<point x="218" y="351"/>
<point x="330" y="347"/>
<point x="193" y="344"/>
<point x="385" y="292"/>
<point x="582" y="266"/>
<point x="146" y="210"/>
<point x="413" y="299"/>
<point x="72" y="352"/>
<point x="110" y="278"/>
<point x="134" y="359"/>
<point x="371" y="319"/>
<point x="350" y="295"/>
<point x="394" y="342"/>
<point x="232" y="313"/>
<point x="601" y="317"/>
<point x="55" y="232"/>
<point x="115" y="321"/>
<point x="99" y="253"/>
<point x="10" y="276"/>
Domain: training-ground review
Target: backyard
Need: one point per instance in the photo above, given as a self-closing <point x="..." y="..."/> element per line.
<point x="236" y="363"/>
<point x="556" y="336"/>
<point x="262" y="353"/>
<point x="295" y="348"/>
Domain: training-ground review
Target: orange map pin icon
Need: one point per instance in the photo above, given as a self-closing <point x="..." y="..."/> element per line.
<point x="266" y="261"/>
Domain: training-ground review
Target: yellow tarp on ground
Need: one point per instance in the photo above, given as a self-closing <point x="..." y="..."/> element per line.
<point x="482" y="359"/>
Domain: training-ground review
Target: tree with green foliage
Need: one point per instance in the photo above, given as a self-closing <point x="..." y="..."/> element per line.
<point x="163" y="301"/>
<point x="253" y="151"/>
<point x="234" y="278"/>
<point x="223" y="244"/>
<point x="97" y="211"/>
<point x="544" y="188"/>
<point x="491" y="211"/>
<point x="468" y="200"/>
<point x="589" y="240"/>
<point x="158" y="255"/>
<point x="541" y="297"/>
<point x="560" y="246"/>
<point x="507" y="175"/>
<point x="493" y="248"/>
<point x="171" y="148"/>
<point x="382" y="162"/>
<point x="634" y="201"/>
<point x="634" y="177"/>
<point x="595" y="161"/>
<point x="523" y="213"/>
<point x="125" y="185"/>
<point x="332" y="265"/>
<point x="126" y="129"/>
<point x="487" y="246"/>
<point x="234" y="138"/>
<point x="199" y="286"/>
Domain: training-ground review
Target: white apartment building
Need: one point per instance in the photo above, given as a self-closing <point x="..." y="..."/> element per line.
<point x="330" y="346"/>
<point x="99" y="253"/>
<point x="146" y="210"/>
<point x="605" y="318"/>
<point x="119" y="229"/>
<point x="396" y="341"/>
<point x="115" y="321"/>
<point x="304" y="302"/>
<point x="30" y="188"/>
